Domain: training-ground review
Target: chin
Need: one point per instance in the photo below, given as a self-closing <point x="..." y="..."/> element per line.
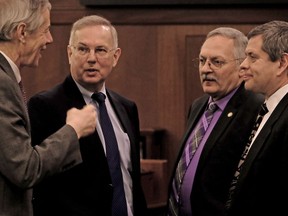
<point x="248" y="85"/>
<point x="209" y="89"/>
<point x="35" y="64"/>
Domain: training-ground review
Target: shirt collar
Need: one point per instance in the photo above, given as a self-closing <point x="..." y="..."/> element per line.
<point x="13" y="66"/>
<point x="86" y="93"/>
<point x="275" y="98"/>
<point x="221" y="103"/>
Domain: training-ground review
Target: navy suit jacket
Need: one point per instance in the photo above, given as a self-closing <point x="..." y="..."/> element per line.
<point x="222" y="150"/>
<point x="263" y="183"/>
<point x="85" y="189"/>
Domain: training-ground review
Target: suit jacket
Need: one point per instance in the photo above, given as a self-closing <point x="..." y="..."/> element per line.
<point x="222" y="150"/>
<point x="86" y="189"/>
<point x="262" y="186"/>
<point x="22" y="166"/>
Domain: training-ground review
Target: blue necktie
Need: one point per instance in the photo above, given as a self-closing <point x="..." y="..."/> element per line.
<point x="119" y="207"/>
<point x="189" y="151"/>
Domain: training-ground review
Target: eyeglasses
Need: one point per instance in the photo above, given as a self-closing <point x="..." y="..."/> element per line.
<point x="99" y="52"/>
<point x="213" y="63"/>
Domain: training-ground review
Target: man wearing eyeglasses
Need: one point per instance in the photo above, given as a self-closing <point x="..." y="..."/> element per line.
<point x="214" y="140"/>
<point x="89" y="189"/>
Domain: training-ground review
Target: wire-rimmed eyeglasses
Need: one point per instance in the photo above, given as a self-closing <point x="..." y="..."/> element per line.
<point x="213" y="63"/>
<point x="99" y="52"/>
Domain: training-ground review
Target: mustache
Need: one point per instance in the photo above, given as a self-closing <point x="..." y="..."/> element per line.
<point x="208" y="77"/>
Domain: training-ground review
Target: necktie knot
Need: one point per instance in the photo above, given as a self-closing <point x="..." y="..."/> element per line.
<point x="99" y="97"/>
<point x="263" y="110"/>
<point x="212" y="107"/>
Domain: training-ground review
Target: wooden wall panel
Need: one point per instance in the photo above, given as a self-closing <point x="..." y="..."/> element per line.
<point x="135" y="76"/>
<point x="53" y="65"/>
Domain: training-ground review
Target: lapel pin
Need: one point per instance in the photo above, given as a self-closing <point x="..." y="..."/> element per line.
<point x="230" y="114"/>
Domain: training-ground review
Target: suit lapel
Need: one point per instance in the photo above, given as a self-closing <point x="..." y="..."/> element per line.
<point x="75" y="97"/>
<point x="5" y="66"/>
<point x="228" y="114"/>
<point x="261" y="138"/>
<point x="198" y="108"/>
<point x="220" y="127"/>
<point x="125" y="123"/>
<point x="120" y="112"/>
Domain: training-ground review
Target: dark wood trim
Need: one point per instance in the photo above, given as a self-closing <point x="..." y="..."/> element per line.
<point x="164" y="16"/>
<point x="91" y="3"/>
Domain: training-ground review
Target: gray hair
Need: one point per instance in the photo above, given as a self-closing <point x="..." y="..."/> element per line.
<point x="240" y="40"/>
<point x="93" y="20"/>
<point x="14" y="12"/>
<point x="275" y="38"/>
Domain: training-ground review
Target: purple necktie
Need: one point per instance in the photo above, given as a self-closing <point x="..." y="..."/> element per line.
<point x="189" y="150"/>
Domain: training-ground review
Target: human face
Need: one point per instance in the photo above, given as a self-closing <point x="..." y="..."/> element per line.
<point x="89" y="70"/>
<point x="36" y="42"/>
<point x="218" y="82"/>
<point x="258" y="71"/>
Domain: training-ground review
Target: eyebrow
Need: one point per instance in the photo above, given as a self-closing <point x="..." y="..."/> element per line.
<point x="211" y="57"/>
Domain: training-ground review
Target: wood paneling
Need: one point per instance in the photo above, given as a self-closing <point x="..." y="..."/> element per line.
<point x="96" y="3"/>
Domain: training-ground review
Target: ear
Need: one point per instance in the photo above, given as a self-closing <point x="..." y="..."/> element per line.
<point x="21" y="32"/>
<point x="284" y="62"/>
<point x="69" y="53"/>
<point x="116" y="56"/>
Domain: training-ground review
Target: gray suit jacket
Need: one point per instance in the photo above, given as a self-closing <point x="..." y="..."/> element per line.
<point x="22" y="166"/>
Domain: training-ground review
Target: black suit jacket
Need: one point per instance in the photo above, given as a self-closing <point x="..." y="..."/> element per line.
<point x="222" y="150"/>
<point x="85" y="189"/>
<point x="263" y="182"/>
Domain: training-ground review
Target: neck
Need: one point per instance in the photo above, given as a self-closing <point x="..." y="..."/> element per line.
<point x="11" y="50"/>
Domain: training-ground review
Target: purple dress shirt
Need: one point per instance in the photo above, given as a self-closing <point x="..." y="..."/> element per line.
<point x="188" y="178"/>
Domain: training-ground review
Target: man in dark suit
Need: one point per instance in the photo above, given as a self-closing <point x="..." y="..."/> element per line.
<point x="262" y="184"/>
<point x="203" y="188"/>
<point x="24" y="33"/>
<point x="87" y="189"/>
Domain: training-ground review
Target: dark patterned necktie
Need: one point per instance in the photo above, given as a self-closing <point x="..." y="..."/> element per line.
<point x="187" y="155"/>
<point x="119" y="207"/>
<point x="232" y="188"/>
<point x="23" y="93"/>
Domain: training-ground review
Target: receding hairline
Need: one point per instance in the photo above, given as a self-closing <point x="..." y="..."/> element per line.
<point x="90" y="21"/>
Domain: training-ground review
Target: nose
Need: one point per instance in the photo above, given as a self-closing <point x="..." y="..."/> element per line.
<point x="49" y="38"/>
<point x="244" y="65"/>
<point x="91" y="58"/>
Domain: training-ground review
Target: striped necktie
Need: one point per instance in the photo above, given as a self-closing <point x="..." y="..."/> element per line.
<point x="232" y="188"/>
<point x="187" y="155"/>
